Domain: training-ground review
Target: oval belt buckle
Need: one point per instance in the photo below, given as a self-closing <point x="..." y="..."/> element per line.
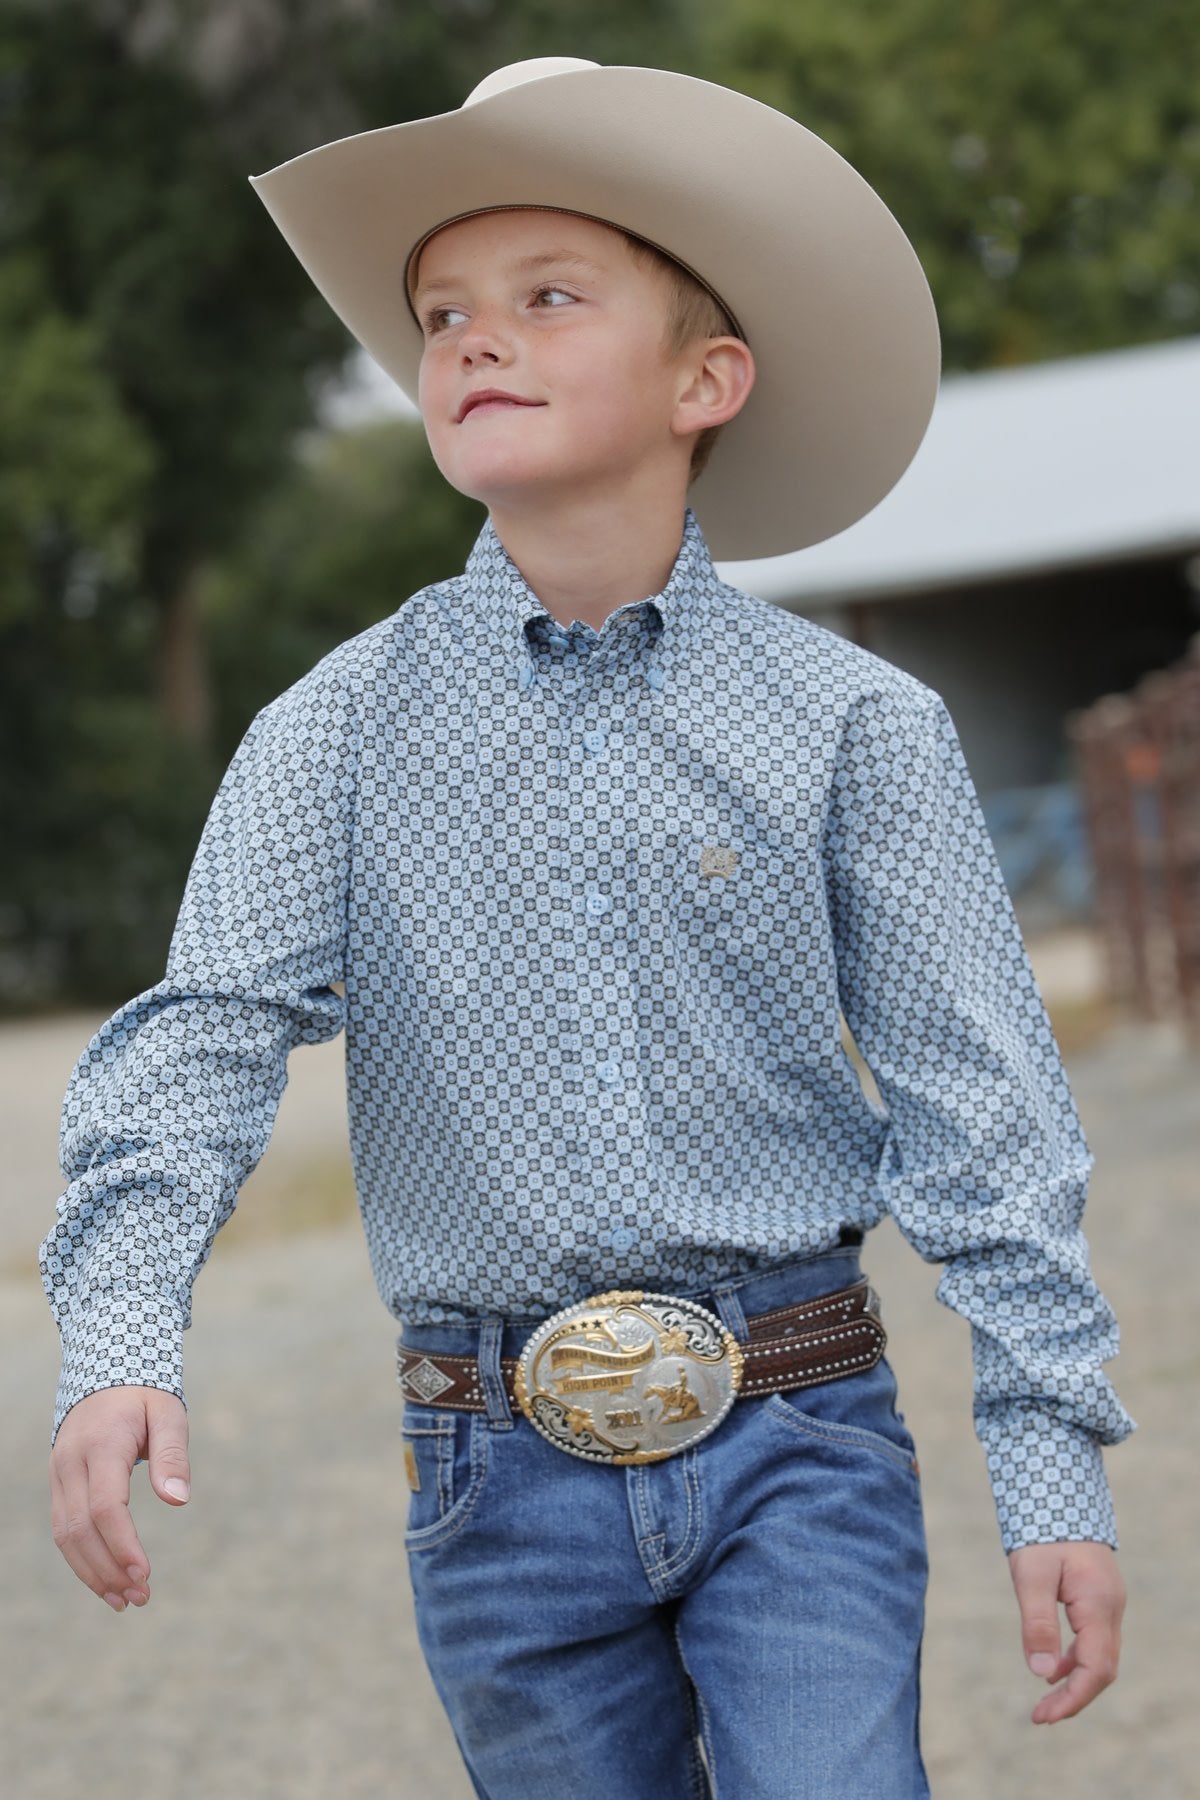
<point x="628" y="1377"/>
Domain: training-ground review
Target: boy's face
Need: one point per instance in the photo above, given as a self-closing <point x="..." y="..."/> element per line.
<point x="552" y="309"/>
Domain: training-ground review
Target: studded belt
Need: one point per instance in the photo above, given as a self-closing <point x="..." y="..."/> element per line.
<point x="631" y="1377"/>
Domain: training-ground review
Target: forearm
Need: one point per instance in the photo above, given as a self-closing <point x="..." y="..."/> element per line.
<point x="168" y="1111"/>
<point x="172" y="1103"/>
<point x="985" y="1166"/>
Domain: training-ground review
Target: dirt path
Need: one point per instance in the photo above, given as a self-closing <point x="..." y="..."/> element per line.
<point x="277" y="1660"/>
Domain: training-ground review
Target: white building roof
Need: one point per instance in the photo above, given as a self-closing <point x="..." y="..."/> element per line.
<point x="1083" y="460"/>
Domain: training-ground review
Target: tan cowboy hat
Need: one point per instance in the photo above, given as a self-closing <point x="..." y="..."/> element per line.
<point x="823" y="284"/>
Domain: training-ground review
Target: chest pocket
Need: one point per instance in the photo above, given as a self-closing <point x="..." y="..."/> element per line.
<point x="709" y="882"/>
<point x="719" y="895"/>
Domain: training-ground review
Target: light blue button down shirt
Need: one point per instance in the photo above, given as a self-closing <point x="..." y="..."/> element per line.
<point x="597" y="900"/>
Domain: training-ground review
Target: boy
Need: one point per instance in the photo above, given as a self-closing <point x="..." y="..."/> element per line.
<point x="598" y="871"/>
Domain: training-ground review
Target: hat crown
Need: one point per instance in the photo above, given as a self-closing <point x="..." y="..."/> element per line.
<point x="532" y="69"/>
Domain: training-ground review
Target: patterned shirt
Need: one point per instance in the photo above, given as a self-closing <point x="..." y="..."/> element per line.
<point x="596" y="902"/>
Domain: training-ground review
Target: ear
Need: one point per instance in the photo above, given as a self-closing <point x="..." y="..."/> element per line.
<point x="714" y="386"/>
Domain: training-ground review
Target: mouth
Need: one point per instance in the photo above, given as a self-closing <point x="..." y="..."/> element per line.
<point x="491" y="400"/>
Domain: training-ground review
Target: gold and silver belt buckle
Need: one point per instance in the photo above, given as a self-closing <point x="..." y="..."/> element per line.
<point x="628" y="1377"/>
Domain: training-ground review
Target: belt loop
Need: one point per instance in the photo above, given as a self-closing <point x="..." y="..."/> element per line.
<point x="491" y="1379"/>
<point x="729" y="1306"/>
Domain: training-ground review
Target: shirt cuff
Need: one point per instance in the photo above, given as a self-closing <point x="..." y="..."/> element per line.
<point x="1048" y="1480"/>
<point x="121" y="1339"/>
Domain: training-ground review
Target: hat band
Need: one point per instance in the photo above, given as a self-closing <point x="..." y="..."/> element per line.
<point x="533" y="206"/>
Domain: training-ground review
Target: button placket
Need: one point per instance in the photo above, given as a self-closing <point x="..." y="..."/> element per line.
<point x="586" y="678"/>
<point x="605" y="1009"/>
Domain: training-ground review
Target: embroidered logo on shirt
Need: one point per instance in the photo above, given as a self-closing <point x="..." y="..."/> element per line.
<point x="717" y="859"/>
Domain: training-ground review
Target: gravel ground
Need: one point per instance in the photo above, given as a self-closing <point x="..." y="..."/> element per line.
<point x="277" y="1659"/>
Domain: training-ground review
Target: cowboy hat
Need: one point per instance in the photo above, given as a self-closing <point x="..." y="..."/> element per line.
<point x="805" y="257"/>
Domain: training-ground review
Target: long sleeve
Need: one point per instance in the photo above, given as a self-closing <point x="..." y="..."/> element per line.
<point x="984" y="1163"/>
<point x="171" y="1105"/>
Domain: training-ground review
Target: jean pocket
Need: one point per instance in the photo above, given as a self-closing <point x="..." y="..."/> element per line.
<point x="858" y="1410"/>
<point x="445" y="1461"/>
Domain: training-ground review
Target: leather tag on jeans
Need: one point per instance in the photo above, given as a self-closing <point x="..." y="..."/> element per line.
<point x="411" y="1470"/>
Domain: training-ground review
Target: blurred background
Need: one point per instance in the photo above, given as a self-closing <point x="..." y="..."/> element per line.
<point x="204" y="487"/>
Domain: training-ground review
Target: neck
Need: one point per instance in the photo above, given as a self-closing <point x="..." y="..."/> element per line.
<point x="587" y="557"/>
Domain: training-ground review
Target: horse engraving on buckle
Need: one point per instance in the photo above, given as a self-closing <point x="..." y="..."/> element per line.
<point x="628" y="1377"/>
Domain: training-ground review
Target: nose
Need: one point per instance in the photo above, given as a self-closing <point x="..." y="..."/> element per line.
<point x="483" y="339"/>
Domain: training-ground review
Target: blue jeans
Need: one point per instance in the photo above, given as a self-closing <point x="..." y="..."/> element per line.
<point x="741" y="1620"/>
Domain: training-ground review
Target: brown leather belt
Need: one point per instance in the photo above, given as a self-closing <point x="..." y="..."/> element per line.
<point x="795" y="1346"/>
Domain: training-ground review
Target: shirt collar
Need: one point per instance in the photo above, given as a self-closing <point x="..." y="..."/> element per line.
<point x="497" y="590"/>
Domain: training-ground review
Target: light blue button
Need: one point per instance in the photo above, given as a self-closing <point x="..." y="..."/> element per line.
<point x="525" y="678"/>
<point x="655" y="677"/>
<point x="597" y="904"/>
<point x="595" y="741"/>
<point x="608" y="1071"/>
<point x="622" y="1238"/>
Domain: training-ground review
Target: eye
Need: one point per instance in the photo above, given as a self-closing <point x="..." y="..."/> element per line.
<point x="539" y="293"/>
<point x="438" y="312"/>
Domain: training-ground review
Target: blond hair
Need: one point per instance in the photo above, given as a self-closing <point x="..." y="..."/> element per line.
<point x="692" y="313"/>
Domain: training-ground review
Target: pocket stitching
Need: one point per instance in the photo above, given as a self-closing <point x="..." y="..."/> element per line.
<point x="429" y="1536"/>
<point x="833" y="1431"/>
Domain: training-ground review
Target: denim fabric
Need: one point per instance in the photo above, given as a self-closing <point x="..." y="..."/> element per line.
<point x="742" y="1620"/>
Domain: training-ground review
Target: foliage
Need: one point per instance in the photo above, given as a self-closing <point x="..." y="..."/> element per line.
<point x="74" y="467"/>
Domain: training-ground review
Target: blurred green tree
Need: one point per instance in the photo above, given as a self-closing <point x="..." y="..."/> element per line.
<point x="138" y="292"/>
<point x="126" y="190"/>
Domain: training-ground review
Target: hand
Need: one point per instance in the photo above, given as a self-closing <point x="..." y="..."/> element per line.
<point x="1085" y="1577"/>
<point x="97" y="1446"/>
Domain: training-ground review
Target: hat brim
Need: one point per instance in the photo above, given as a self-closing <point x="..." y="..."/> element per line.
<point x="826" y="286"/>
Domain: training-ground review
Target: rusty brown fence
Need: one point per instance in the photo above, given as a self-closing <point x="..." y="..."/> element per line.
<point x="1138" y="762"/>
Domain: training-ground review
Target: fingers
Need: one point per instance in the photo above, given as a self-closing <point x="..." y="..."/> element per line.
<point x="1036" y="1571"/>
<point x="170" y="1469"/>
<point x="1065" y="1664"/>
<point x="82" y="1545"/>
<point x="108" y="1474"/>
<point x="1085" y="1577"/>
<point x="1093" y="1669"/>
